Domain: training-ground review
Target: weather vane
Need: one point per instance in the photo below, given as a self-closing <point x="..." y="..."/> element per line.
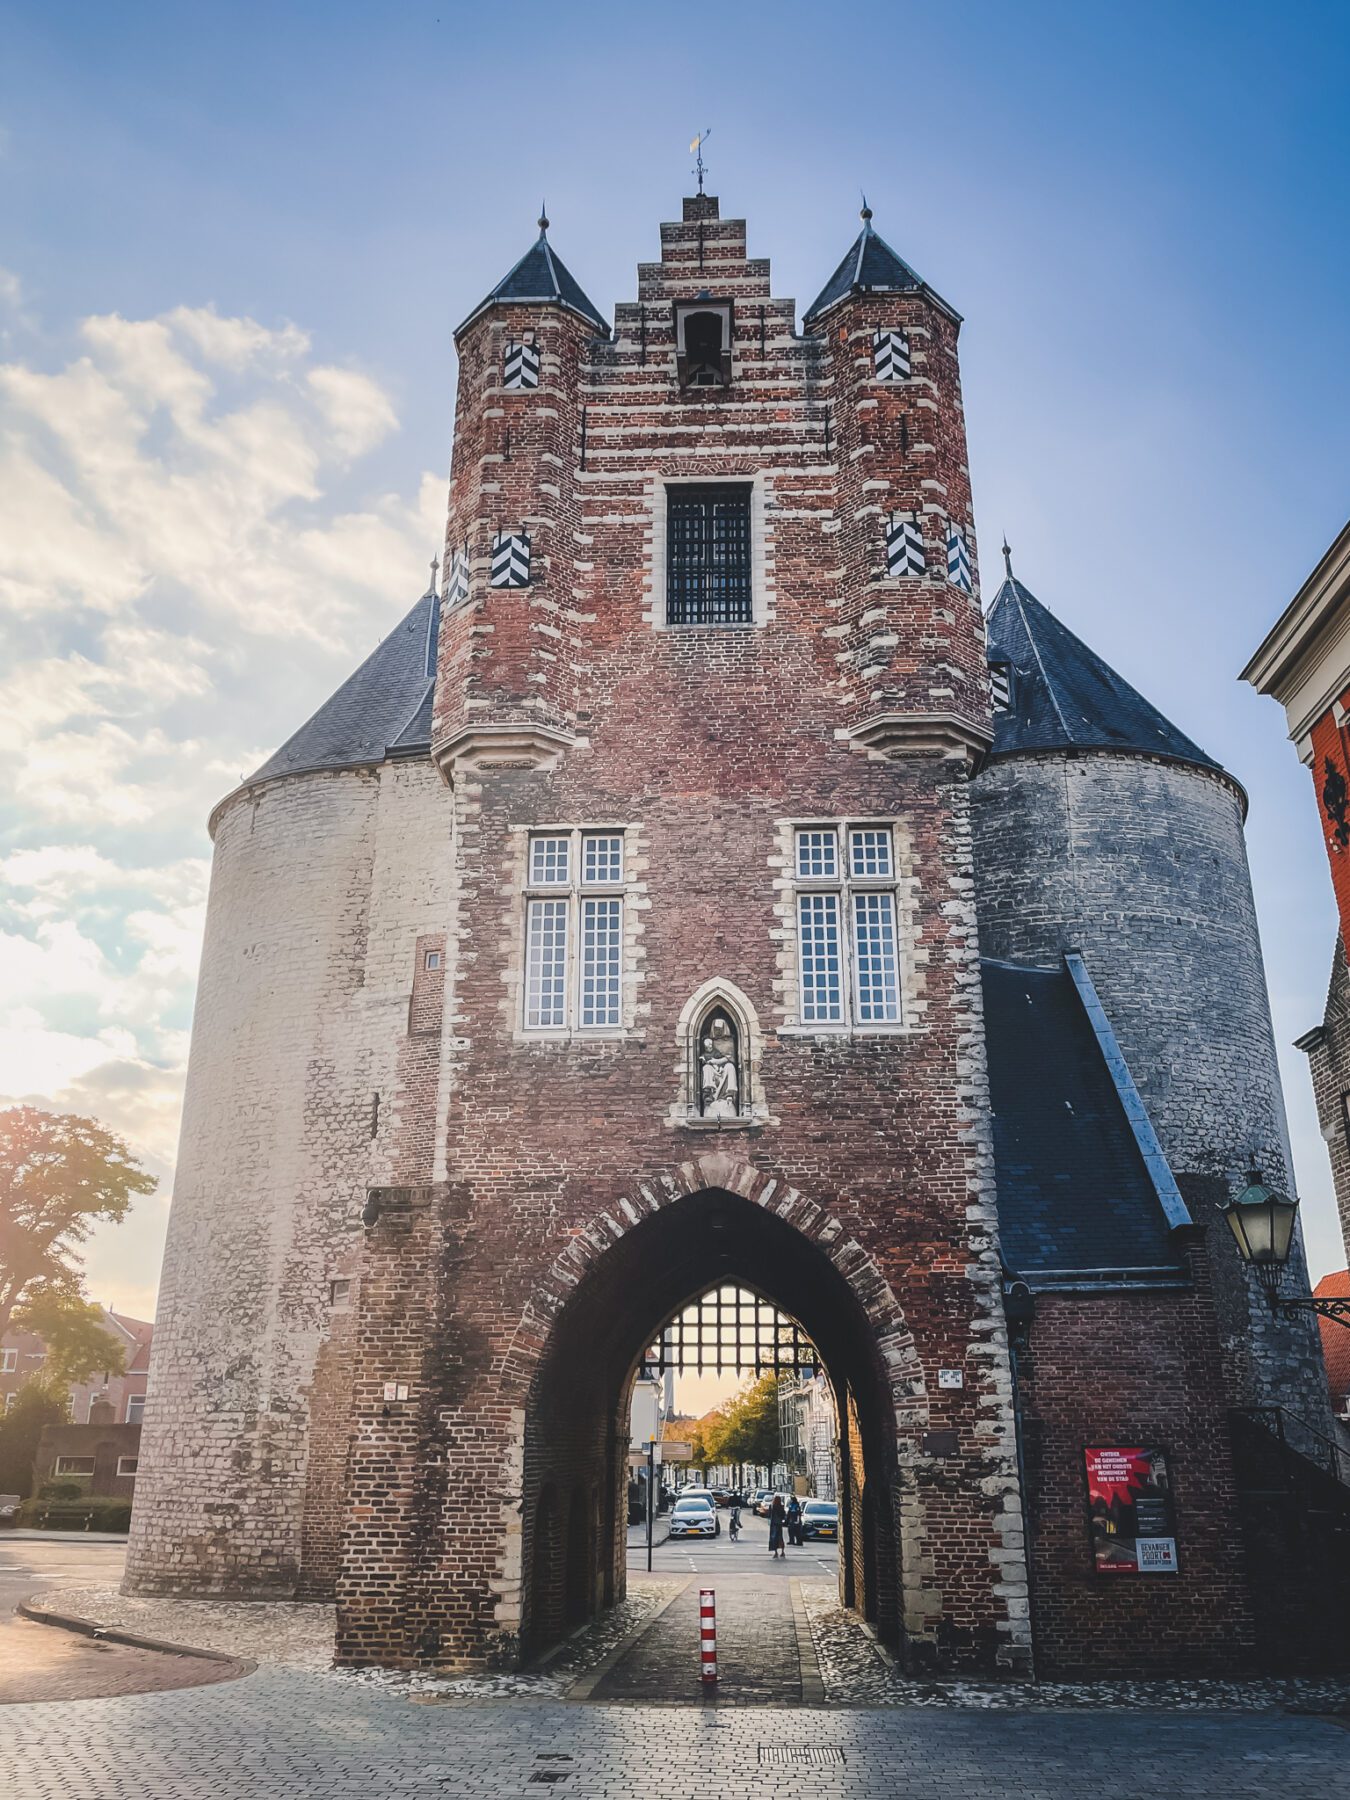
<point x="696" y="148"/>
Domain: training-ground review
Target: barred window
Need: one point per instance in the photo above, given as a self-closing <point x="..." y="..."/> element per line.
<point x="573" y="934"/>
<point x="708" y="556"/>
<point x="847" y="933"/>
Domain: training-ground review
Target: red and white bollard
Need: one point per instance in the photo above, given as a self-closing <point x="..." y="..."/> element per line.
<point x="707" y="1632"/>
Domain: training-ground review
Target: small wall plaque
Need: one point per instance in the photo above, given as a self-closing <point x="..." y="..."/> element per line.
<point x="396" y="1390"/>
<point x="951" y="1378"/>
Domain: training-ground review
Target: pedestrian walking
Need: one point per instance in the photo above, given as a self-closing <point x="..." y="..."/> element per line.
<point x="734" y="1524"/>
<point x="777" y="1517"/>
<point x="794" y="1520"/>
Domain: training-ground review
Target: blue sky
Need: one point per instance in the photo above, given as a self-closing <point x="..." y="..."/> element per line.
<point x="235" y="242"/>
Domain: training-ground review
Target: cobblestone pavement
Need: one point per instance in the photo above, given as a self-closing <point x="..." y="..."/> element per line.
<point x="759" y="1657"/>
<point x="856" y="1671"/>
<point x="280" y="1734"/>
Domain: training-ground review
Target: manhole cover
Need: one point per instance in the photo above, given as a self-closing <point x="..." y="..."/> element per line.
<point x="800" y="1753"/>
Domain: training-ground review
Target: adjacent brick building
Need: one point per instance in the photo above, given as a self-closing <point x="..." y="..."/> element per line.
<point x="615" y="932"/>
<point x="23" y="1355"/>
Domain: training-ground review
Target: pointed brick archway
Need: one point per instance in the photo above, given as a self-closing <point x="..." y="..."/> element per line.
<point x="485" y="1504"/>
<point x="568" y="1374"/>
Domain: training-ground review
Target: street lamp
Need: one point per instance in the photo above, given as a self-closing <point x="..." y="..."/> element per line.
<point x="1262" y="1221"/>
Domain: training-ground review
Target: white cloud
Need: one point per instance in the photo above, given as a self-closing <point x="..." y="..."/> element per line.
<point x="180" y="584"/>
<point x="355" y="409"/>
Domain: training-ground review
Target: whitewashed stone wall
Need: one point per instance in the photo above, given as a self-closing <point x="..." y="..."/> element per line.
<point x="320" y="887"/>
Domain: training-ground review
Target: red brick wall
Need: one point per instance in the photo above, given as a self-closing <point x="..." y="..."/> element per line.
<point x="705" y="746"/>
<point x="1133" y="1368"/>
<point x="1330" y="746"/>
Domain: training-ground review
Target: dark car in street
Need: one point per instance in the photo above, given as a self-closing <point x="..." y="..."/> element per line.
<point x="820" y="1519"/>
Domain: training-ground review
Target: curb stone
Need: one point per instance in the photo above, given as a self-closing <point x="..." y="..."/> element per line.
<point x="111" y="1634"/>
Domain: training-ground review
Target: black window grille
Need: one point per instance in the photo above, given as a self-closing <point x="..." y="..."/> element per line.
<point x="708" y="560"/>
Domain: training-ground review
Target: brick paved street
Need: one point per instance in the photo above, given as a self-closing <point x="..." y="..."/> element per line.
<point x="283" y="1735"/>
<point x="760" y="1653"/>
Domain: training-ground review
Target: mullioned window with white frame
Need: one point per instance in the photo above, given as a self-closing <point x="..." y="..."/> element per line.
<point x="574" y="904"/>
<point x="848" y="939"/>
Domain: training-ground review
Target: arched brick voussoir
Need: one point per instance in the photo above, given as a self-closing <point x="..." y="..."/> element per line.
<point x="897" y="1353"/>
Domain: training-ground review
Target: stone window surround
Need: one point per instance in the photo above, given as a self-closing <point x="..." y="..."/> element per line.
<point x="760" y="613"/>
<point x="903" y="884"/>
<point x="627" y="890"/>
<point x="127" y="1474"/>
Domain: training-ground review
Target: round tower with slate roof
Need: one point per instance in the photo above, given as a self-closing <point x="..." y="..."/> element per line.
<point x="1101" y="828"/>
<point x="318" y="1005"/>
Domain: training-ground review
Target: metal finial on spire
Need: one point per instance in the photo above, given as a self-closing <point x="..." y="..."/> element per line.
<point x="1007" y="557"/>
<point x="543" y="218"/>
<point x="435" y="566"/>
<point x="697" y="148"/>
<point x="866" y="214"/>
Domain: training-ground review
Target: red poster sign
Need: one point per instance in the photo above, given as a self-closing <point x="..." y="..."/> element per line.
<point x="1130" y="1510"/>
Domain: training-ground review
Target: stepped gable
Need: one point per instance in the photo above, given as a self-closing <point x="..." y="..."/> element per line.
<point x="1063" y="696"/>
<point x="870" y="267"/>
<point x="540" y="278"/>
<point x="1074" y="1192"/>
<point x="384" y="706"/>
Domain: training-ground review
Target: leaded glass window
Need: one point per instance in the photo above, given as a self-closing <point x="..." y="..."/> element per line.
<point x="601" y="858"/>
<point x="574" y="931"/>
<point x="821" y="958"/>
<point x="601" y="945"/>
<point x="546" y="964"/>
<point x="848" y="948"/>
<point x="708" y="575"/>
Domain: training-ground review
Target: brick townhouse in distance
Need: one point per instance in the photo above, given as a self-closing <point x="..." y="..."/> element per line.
<point x="699" y="887"/>
<point x="23" y="1355"/>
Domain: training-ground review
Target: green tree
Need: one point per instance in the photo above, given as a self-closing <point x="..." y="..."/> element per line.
<point x="35" y="1405"/>
<point x="751" y="1434"/>
<point x="59" y="1175"/>
<point x="78" y="1343"/>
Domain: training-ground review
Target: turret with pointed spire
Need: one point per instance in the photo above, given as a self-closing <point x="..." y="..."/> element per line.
<point x="912" y="654"/>
<point x="502" y="687"/>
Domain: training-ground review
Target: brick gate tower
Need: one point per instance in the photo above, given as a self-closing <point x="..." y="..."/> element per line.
<point x="610" y="938"/>
<point x="711" y="678"/>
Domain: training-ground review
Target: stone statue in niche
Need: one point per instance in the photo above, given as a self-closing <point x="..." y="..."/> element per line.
<point x="719" y="1078"/>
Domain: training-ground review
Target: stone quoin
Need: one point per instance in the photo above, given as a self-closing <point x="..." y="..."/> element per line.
<point x="617" y="931"/>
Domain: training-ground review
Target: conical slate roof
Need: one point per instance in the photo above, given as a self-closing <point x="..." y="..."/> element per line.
<point x="1063" y="696"/>
<point x="385" y="706"/>
<point x="871" y="267"/>
<point x="540" y="278"/>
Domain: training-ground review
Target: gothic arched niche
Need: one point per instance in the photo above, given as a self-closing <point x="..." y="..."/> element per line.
<point x="721" y="1073"/>
<point x="720" y="1051"/>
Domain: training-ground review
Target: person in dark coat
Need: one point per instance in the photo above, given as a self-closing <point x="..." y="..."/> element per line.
<point x="794" y="1520"/>
<point x="776" y="1520"/>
